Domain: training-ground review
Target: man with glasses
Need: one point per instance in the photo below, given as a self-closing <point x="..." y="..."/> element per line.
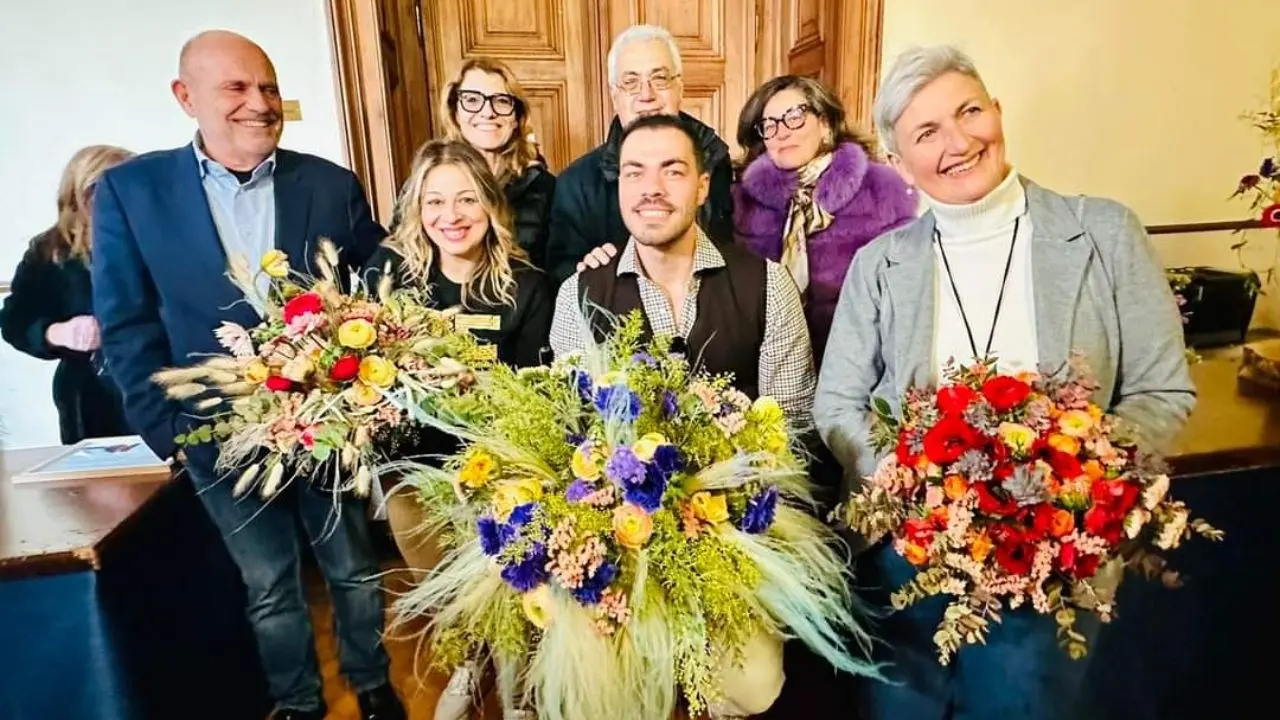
<point x="644" y="79"/>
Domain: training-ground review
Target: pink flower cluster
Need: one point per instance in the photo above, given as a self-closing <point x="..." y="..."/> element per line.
<point x="612" y="612"/>
<point x="573" y="559"/>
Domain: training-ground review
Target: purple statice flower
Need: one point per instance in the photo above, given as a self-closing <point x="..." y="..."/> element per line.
<point x="1268" y="168"/>
<point x="593" y="587"/>
<point x="490" y="535"/>
<point x="624" y="468"/>
<point x="760" y="511"/>
<point x="669" y="406"/>
<point x="530" y="572"/>
<point x="668" y="461"/>
<point x="647" y="495"/>
<point x="618" y="401"/>
<point x="578" y="490"/>
<point x="644" y="357"/>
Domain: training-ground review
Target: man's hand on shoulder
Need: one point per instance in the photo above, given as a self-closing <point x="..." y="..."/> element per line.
<point x="598" y="257"/>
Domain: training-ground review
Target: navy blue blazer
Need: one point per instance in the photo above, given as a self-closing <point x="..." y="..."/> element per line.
<point x="160" y="286"/>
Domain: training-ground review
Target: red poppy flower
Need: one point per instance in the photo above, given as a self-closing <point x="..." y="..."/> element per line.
<point x="906" y="458"/>
<point x="955" y="399"/>
<point x="347" y="367"/>
<point x="989" y="504"/>
<point x="1005" y="393"/>
<point x="1015" y="555"/>
<point x="278" y="383"/>
<point x="950" y="438"/>
<point x="301" y="305"/>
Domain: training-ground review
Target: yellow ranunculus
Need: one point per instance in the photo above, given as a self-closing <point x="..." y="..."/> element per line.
<point x="530" y="490"/>
<point x="632" y="526"/>
<point x="710" y="508"/>
<point x="298" y="368"/>
<point x="377" y="371"/>
<point x="276" y="264"/>
<point x="766" y="410"/>
<point x="647" y="445"/>
<point x="1075" y="423"/>
<point x="510" y="494"/>
<point x="1018" y="437"/>
<point x="357" y="334"/>
<point x="539" y="606"/>
<point x="362" y="394"/>
<point x="585" y="465"/>
<point x="256" y="371"/>
<point x="1064" y="443"/>
<point x="477" y="470"/>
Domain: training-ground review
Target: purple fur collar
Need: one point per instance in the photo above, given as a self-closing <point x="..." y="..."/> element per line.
<point x="772" y="187"/>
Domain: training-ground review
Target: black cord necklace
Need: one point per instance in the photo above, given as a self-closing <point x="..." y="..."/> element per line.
<point x="1008" y="263"/>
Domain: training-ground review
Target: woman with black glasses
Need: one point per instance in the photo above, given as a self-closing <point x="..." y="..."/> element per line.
<point x="485" y="107"/>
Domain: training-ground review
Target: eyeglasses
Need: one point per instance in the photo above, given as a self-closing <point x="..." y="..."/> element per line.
<point x="658" y="82"/>
<point x="794" y="119"/>
<point x="502" y="103"/>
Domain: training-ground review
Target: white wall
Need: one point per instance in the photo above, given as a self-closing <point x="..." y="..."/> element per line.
<point x="80" y="72"/>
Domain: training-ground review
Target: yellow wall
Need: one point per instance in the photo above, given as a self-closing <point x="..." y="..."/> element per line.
<point x="1138" y="100"/>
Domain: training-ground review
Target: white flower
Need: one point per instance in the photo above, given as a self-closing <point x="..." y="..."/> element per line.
<point x="1155" y="492"/>
<point x="1170" y="535"/>
<point x="235" y="339"/>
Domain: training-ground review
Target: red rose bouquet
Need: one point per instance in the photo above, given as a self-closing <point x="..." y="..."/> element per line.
<point x="1005" y="490"/>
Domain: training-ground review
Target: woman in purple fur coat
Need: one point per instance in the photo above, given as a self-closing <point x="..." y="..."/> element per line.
<point x="808" y="195"/>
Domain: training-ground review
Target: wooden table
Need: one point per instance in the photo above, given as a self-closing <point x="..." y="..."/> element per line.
<point x="118" y="601"/>
<point x="1235" y="425"/>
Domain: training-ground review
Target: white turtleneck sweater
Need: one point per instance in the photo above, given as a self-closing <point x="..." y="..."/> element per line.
<point x="976" y="239"/>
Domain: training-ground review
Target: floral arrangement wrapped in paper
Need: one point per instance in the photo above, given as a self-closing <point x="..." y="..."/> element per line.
<point x="327" y="383"/>
<point x="1004" y="490"/>
<point x="626" y="531"/>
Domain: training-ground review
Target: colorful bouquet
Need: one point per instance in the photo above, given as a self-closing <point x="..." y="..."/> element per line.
<point x="1005" y="490"/>
<point x="327" y="383"/>
<point x="623" y="529"/>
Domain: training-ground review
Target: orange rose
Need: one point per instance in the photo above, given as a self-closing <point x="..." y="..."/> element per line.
<point x="955" y="487"/>
<point x="1061" y="523"/>
<point x="1093" y="469"/>
<point x="916" y="554"/>
<point x="980" y="548"/>
<point x="939" y="517"/>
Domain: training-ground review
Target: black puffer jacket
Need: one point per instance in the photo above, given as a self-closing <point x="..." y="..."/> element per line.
<point x="585" y="214"/>
<point x="529" y="196"/>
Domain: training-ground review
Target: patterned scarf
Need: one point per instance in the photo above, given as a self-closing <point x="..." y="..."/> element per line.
<point x="804" y="219"/>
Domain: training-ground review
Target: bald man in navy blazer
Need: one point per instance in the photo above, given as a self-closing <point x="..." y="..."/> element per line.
<point x="165" y="225"/>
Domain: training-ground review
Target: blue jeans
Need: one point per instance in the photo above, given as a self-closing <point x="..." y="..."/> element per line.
<point x="262" y="538"/>
<point x="1019" y="673"/>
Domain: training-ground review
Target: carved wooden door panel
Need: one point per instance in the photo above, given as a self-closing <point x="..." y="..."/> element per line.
<point x="552" y="47"/>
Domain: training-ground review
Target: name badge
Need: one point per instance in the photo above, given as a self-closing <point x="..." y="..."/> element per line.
<point x="477" y="322"/>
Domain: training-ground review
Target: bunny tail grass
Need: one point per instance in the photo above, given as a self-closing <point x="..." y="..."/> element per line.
<point x="456" y="592"/>
<point x="579" y="674"/>
<point x="805" y="588"/>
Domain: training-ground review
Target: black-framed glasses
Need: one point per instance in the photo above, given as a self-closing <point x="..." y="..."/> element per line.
<point x="659" y="81"/>
<point x="474" y="101"/>
<point x="793" y="118"/>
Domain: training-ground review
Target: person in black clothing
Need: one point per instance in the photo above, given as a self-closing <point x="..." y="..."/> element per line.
<point x="644" y="79"/>
<point x="486" y="107"/>
<point x="454" y="237"/>
<point x="49" y="311"/>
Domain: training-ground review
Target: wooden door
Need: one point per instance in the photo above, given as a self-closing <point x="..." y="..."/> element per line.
<point x="551" y="45"/>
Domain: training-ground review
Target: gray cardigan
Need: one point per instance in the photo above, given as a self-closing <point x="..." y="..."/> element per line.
<point x="1098" y="289"/>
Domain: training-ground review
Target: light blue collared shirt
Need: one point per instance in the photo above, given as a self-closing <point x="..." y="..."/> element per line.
<point x="244" y="214"/>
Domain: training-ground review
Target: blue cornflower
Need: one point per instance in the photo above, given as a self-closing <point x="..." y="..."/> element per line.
<point x="624" y="468"/>
<point x="760" y="511"/>
<point x="668" y="460"/>
<point x="530" y="572"/>
<point x="575" y="439"/>
<point x="521" y="515"/>
<point x="592" y="588"/>
<point x="648" y="494"/>
<point x="490" y="535"/>
<point x="618" y="401"/>
<point x="582" y="379"/>
<point x="669" y="406"/>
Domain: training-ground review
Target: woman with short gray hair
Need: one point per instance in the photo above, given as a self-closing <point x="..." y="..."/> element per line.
<point x="998" y="267"/>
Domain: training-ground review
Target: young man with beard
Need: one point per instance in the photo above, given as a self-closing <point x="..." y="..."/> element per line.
<point x="736" y="312"/>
